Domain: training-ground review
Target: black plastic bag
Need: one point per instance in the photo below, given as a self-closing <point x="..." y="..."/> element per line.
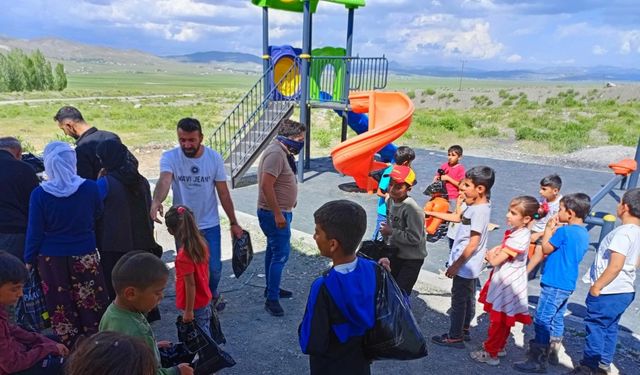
<point x="216" y="329"/>
<point x="212" y="358"/>
<point x="175" y="355"/>
<point x="242" y="253"/>
<point x="376" y="249"/>
<point x="395" y="334"/>
<point x="191" y="336"/>
<point x="31" y="310"/>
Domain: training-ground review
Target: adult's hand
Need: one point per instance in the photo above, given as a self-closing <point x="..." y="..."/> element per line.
<point x="156" y="208"/>
<point x="281" y="222"/>
<point x="236" y="230"/>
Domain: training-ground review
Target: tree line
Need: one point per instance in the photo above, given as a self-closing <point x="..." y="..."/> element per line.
<point x="22" y="72"/>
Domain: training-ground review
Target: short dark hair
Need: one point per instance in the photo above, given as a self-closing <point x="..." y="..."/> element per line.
<point x="632" y="199"/>
<point x="404" y="154"/>
<point x="189" y="124"/>
<point x="482" y="176"/>
<point x="68" y="112"/>
<point x="455" y="148"/>
<point x="12" y="270"/>
<point x="111" y="353"/>
<point x="580" y="203"/>
<point x="553" y="180"/>
<point x="10" y="143"/>
<point x="344" y="221"/>
<point x="289" y="128"/>
<point x="138" y="269"/>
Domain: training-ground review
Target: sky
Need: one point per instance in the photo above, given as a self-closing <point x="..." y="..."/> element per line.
<point x="487" y="34"/>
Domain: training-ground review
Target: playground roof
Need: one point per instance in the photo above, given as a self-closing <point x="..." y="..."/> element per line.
<point x="298" y="5"/>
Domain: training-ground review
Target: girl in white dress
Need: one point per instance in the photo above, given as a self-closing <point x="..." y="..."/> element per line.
<point x="504" y="295"/>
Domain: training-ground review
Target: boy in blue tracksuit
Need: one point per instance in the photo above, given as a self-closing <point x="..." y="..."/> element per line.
<point x="340" y="307"/>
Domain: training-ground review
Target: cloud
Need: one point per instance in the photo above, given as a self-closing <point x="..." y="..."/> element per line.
<point x="630" y="42"/>
<point x="598" y="50"/>
<point x="514" y="58"/>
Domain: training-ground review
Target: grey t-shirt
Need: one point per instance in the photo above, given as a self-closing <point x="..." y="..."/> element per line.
<point x="475" y="218"/>
<point x="194" y="181"/>
<point x="274" y="162"/>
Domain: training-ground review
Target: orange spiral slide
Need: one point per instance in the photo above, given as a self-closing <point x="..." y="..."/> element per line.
<point x="390" y="115"/>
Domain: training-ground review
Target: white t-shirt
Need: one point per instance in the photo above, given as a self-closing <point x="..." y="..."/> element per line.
<point x="554" y="208"/>
<point x="194" y="182"/>
<point x="625" y="240"/>
<point x="474" y="218"/>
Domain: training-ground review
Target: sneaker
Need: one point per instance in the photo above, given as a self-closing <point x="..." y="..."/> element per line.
<point x="219" y="303"/>
<point x="273" y="308"/>
<point x="283" y="293"/>
<point x="444" y="340"/>
<point x="502" y="353"/>
<point x="484" y="357"/>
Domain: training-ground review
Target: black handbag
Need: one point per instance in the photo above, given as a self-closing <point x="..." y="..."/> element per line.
<point x="395" y="334"/>
<point x="242" y="253"/>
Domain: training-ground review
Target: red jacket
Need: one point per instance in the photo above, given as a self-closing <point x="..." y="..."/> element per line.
<point x="21" y="349"/>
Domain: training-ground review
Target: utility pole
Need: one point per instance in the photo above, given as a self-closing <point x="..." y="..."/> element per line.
<point x="461" y="73"/>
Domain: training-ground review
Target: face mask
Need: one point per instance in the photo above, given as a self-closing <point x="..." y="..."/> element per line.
<point x="294" y="147"/>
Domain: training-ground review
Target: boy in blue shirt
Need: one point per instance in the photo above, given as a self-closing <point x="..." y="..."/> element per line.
<point x="565" y="246"/>
<point x="340" y="307"/>
<point x="404" y="156"/>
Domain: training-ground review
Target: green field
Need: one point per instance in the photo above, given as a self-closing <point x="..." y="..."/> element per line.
<point x="573" y="118"/>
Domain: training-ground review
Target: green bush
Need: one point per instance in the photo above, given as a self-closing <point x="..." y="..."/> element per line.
<point x="430" y="91"/>
<point x="489" y="132"/>
<point x="411" y="94"/>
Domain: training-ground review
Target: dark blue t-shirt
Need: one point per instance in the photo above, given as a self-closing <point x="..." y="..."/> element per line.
<point x="561" y="268"/>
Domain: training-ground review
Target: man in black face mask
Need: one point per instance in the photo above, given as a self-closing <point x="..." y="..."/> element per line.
<point x="277" y="196"/>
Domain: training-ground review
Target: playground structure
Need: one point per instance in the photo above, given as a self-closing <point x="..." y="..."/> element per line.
<point x="320" y="78"/>
<point x="625" y="177"/>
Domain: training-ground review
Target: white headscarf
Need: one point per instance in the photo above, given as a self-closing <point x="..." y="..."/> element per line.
<point x="60" y="166"/>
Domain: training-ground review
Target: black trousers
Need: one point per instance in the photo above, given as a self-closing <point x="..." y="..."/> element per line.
<point x="463" y="305"/>
<point x="405" y="272"/>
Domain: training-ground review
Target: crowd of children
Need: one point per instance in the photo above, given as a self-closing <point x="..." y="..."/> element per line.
<point x="340" y="307"/>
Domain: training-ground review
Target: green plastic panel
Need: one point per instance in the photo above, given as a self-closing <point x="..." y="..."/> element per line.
<point x="298" y="5"/>
<point x="318" y="66"/>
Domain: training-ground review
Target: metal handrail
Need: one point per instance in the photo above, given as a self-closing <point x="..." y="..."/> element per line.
<point x="252" y="119"/>
<point x="328" y="75"/>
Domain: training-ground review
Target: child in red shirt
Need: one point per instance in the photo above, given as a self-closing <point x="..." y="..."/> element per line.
<point x="453" y="174"/>
<point x="193" y="295"/>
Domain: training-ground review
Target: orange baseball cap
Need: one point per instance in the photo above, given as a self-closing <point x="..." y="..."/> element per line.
<point x="403" y="174"/>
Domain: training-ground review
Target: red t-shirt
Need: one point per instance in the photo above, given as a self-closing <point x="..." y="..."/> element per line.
<point x="185" y="266"/>
<point x="457" y="173"/>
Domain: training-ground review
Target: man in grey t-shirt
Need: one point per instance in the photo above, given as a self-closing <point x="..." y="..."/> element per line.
<point x="278" y="193"/>
<point x="196" y="173"/>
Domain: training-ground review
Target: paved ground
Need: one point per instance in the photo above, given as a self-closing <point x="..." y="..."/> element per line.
<point x="262" y="344"/>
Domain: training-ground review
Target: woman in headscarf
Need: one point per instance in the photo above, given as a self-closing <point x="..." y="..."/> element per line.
<point x="61" y="243"/>
<point x="125" y="224"/>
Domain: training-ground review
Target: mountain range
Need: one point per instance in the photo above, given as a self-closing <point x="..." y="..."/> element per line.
<point x="85" y="58"/>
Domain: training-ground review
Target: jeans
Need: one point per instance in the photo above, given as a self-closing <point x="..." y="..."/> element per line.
<point x="463" y="305"/>
<point x="601" y="323"/>
<point x="376" y="233"/>
<point x="202" y="318"/>
<point x="212" y="235"/>
<point x="549" y="319"/>
<point x="278" y="249"/>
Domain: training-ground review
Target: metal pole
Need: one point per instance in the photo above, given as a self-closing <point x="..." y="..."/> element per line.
<point x="633" y="179"/>
<point x="305" y="114"/>
<point x="347" y="73"/>
<point x="461" y="73"/>
<point x="265" y="49"/>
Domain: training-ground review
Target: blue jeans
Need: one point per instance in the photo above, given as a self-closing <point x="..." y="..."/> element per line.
<point x="376" y="233"/>
<point x="549" y="319"/>
<point x="212" y="235"/>
<point x="601" y="323"/>
<point x="278" y="249"/>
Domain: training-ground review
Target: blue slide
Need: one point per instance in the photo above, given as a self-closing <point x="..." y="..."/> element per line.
<point x="359" y="122"/>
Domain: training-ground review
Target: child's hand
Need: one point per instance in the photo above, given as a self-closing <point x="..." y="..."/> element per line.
<point x="187" y="316"/>
<point x="552" y="223"/>
<point x="163" y="344"/>
<point x="385" y="229"/>
<point x="185" y="369"/>
<point x="452" y="271"/>
<point x="384" y="262"/>
<point x="595" y="291"/>
<point x="62" y="350"/>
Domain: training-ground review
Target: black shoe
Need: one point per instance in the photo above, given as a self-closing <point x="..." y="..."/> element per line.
<point x="283" y="293"/>
<point x="444" y="340"/>
<point x="274" y="308"/>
